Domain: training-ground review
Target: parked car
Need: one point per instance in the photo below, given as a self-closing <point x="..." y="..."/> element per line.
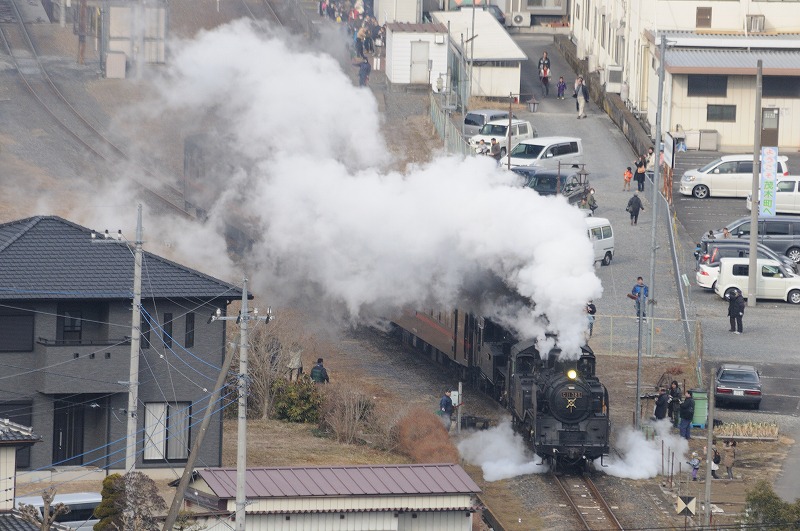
<point x="787" y="196"/>
<point x="774" y="281"/>
<point x="727" y="176"/>
<point x="737" y="384"/>
<point x="548" y="152"/>
<point x="779" y="233"/>
<point x="573" y="185"/>
<point x="714" y="250"/>
<point x="476" y="119"/>
<point x="498" y="129"/>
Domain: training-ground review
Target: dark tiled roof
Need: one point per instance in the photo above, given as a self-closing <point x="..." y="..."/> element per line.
<point x="387" y="480"/>
<point x="9" y="522"/>
<point x="16" y="434"/>
<point x="48" y="257"/>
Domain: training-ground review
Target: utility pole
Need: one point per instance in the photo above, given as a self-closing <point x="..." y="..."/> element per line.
<point x="754" y="208"/>
<point x="654" y="200"/>
<point x="709" y="451"/>
<point x="136" y="322"/>
<point x="241" y="442"/>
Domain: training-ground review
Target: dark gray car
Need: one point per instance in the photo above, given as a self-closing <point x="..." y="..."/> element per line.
<point x="779" y="233"/>
<point x="737" y="385"/>
<point x="573" y="186"/>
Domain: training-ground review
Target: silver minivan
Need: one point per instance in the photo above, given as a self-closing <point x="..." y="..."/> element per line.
<point x="548" y="152"/>
<point x="498" y="129"/>
<point x="476" y="119"/>
<point x="727" y="176"/>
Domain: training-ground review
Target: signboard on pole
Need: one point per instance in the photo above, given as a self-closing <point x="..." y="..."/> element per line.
<point x="769" y="178"/>
<point x="686" y="506"/>
<point x="669" y="149"/>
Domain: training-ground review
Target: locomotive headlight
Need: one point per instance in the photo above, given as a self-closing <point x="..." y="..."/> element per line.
<point x="572" y="374"/>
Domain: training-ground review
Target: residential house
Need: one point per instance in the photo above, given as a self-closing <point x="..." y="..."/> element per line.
<point x="65" y="348"/>
<point x="13" y="438"/>
<point x="439" y="497"/>
<point x="710" y="65"/>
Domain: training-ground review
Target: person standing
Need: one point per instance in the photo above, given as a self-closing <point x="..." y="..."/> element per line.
<point x="729" y="458"/>
<point x="561" y="87"/>
<point x="687" y="415"/>
<point x="639" y="294"/>
<point x="641" y="168"/>
<point x="650" y="158"/>
<point x="494" y="151"/>
<point x="736" y="305"/>
<point x="591" y="309"/>
<point x="544" y="62"/>
<point x="446" y="410"/>
<point x="627" y="177"/>
<point x="662" y="401"/>
<point x="364" y="70"/>
<point x="694" y="462"/>
<point x="544" y="77"/>
<point x="582" y="95"/>
<point x="674" y="402"/>
<point x="634" y="206"/>
<point x="319" y="374"/>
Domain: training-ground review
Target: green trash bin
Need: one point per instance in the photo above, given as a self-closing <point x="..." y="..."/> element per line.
<point x="700" y="408"/>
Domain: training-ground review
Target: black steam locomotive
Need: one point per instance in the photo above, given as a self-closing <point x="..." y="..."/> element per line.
<point x="560" y="407"/>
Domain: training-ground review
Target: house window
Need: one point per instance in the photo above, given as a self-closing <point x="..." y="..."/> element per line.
<point x="188" y="340"/>
<point x="721" y="113"/>
<point x="703" y="17"/>
<point x="144" y="329"/>
<point x="780" y="87"/>
<point x="166" y="431"/>
<point x="16" y="333"/>
<point x="705" y="85"/>
<point x="69" y="324"/>
<point x="167" y="335"/>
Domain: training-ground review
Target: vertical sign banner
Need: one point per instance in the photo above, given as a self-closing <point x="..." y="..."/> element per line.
<point x="669" y="149"/>
<point x="769" y="177"/>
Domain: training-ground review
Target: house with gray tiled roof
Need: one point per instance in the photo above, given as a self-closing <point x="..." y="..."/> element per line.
<point x="65" y="327"/>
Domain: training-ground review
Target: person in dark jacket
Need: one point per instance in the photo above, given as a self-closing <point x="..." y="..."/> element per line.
<point x="364" y="70"/>
<point x="736" y="306"/>
<point x="446" y="409"/>
<point x="687" y="414"/>
<point x="634" y="206"/>
<point x="674" y="401"/>
<point x="319" y="374"/>
<point x="661" y="404"/>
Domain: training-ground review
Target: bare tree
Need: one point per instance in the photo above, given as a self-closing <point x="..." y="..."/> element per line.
<point x="133" y="503"/>
<point x="44" y="519"/>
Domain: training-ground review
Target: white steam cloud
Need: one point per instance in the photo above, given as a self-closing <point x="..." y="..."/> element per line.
<point x="500" y="453"/>
<point x="303" y="163"/>
<point x="642" y="458"/>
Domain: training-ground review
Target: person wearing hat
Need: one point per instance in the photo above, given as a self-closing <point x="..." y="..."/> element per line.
<point x="736" y="306"/>
<point x="319" y="374"/>
<point x="695" y="464"/>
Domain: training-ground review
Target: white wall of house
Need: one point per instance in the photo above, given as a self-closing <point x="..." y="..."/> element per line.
<point x="7" y="477"/>
<point x="495" y="81"/>
<point x="398" y="11"/>
<point x="398" y="56"/>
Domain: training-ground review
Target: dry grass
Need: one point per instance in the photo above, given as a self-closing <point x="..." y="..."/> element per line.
<point x="422" y="437"/>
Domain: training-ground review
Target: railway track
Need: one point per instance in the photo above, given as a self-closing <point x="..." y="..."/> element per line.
<point x="25" y="58"/>
<point x="586" y="501"/>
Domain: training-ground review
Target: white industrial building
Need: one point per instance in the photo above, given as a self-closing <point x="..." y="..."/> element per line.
<point x="710" y="64"/>
<point x="492" y="56"/>
<point x="435" y="497"/>
<point x="416" y="53"/>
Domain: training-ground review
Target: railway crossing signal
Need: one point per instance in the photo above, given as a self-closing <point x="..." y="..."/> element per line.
<point x="686" y="505"/>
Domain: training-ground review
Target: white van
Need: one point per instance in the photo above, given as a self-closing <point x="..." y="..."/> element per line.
<point x="602" y="237"/>
<point x="476" y="119"/>
<point x="81" y="508"/>
<point x="548" y="152"/>
<point x="498" y="129"/>
<point x="787" y="196"/>
<point x="774" y="280"/>
<point x="727" y="176"/>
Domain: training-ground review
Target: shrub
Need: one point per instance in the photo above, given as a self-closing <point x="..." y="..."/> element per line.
<point x="422" y="437"/>
<point x="347" y="412"/>
<point x="297" y="401"/>
<point x="764" y="508"/>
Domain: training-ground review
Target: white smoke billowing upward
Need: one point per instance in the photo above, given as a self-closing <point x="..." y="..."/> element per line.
<point x="642" y="458"/>
<point x="500" y="453"/>
<point x="337" y="231"/>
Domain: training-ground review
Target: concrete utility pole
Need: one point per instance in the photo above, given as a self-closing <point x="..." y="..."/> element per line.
<point x="752" y="276"/>
<point x="136" y="322"/>
<point x="241" y="442"/>
<point x="709" y="451"/>
<point x="654" y="200"/>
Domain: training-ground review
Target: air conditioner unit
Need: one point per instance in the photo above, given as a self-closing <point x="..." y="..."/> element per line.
<point x="521" y="19"/>
<point x="614" y="78"/>
<point x="755" y="23"/>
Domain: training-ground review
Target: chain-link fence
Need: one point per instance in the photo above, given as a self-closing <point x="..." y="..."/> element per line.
<point x="454" y="142"/>
<point x="619" y="335"/>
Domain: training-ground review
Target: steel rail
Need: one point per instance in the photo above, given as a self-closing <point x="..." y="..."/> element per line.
<point x="609" y="520"/>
